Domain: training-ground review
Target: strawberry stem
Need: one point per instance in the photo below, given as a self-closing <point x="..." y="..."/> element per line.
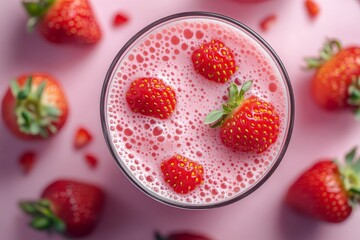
<point x="33" y="117"/>
<point x="36" y="10"/>
<point x="350" y="174"/>
<point x="43" y="216"/>
<point x="236" y="97"/>
<point x="330" y="48"/>
<point x="354" y="95"/>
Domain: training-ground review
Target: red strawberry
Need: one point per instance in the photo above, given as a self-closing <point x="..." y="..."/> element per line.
<point x="267" y="22"/>
<point x="68" y="207"/>
<point x="181" y="236"/>
<point x="82" y="138"/>
<point x="248" y="125"/>
<point x="91" y="160"/>
<point x="27" y="161"/>
<point x="64" y="21"/>
<point x="35" y="106"/>
<point x="337" y="80"/>
<point x="182" y="174"/>
<point x="214" y="61"/>
<point x="327" y="191"/>
<point x="151" y="97"/>
<point x="312" y="8"/>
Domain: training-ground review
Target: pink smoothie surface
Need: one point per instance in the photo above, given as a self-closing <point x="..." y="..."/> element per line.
<point x="141" y="143"/>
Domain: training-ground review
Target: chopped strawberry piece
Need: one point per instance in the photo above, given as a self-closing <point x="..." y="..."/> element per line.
<point x="120" y="19"/>
<point x="312" y="8"/>
<point x="267" y="22"/>
<point x="27" y="161"/>
<point x="82" y="138"/>
<point x="91" y="160"/>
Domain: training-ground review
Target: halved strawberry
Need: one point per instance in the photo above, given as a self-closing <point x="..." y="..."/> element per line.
<point x="182" y="174"/>
<point x="27" y="161"/>
<point x="151" y="97"/>
<point x="82" y="138"/>
<point x="214" y="61"/>
<point x="247" y="125"/>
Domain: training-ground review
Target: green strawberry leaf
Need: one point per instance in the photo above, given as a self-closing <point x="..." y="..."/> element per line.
<point x="356" y="166"/>
<point x="330" y="48"/>
<point x="34" y="128"/>
<point x="59" y="225"/>
<point x="44" y="202"/>
<point x="246" y="86"/>
<point x="40" y="90"/>
<point x="33" y="8"/>
<point x="40" y="223"/>
<point x="28" y="207"/>
<point x="14" y="87"/>
<point x="233" y="91"/>
<point x="52" y="111"/>
<point x="24" y="93"/>
<point x="214" y="116"/>
<point x="357" y="114"/>
<point x="349" y="158"/>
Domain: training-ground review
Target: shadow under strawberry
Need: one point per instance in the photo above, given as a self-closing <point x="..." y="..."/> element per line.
<point x="31" y="52"/>
<point x="295" y="226"/>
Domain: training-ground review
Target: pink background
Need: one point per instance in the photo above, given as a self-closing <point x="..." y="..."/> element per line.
<point x="129" y="214"/>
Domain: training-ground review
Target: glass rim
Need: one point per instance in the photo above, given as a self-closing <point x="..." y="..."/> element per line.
<point x="288" y="88"/>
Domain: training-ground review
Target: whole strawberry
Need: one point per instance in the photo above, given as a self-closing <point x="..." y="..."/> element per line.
<point x="34" y="106"/>
<point x="64" y="21"/>
<point x="151" y="97"/>
<point x="336" y="83"/>
<point x="214" y="61"/>
<point x="68" y="207"/>
<point x="182" y="174"/>
<point x="181" y="236"/>
<point x="327" y="191"/>
<point x="247" y="125"/>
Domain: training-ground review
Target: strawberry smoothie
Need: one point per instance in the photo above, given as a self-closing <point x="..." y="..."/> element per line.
<point x="140" y="143"/>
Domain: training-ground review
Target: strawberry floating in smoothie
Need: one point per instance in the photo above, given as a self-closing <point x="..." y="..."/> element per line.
<point x="151" y="97"/>
<point x="214" y="61"/>
<point x="182" y="174"/>
<point x="247" y="124"/>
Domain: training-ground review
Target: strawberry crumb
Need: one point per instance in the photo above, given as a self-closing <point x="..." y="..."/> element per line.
<point x="82" y="138"/>
<point x="27" y="161"/>
<point x="267" y="22"/>
<point x="312" y="8"/>
<point x="119" y="19"/>
<point x="91" y="160"/>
